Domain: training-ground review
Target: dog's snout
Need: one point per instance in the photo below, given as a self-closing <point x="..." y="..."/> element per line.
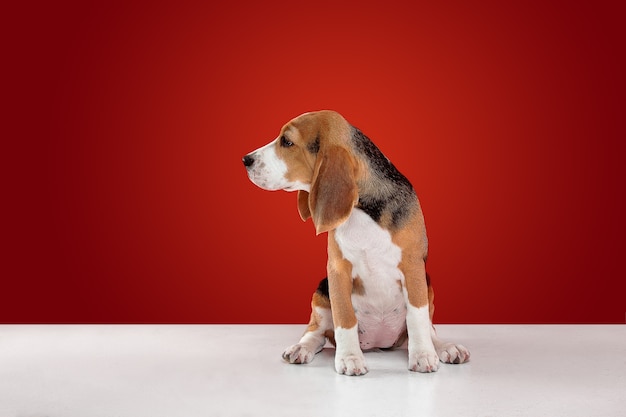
<point x="248" y="160"/>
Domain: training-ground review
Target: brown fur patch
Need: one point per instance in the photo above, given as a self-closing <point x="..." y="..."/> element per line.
<point x="412" y="240"/>
<point x="333" y="190"/>
<point x="357" y="286"/>
<point x="321" y="149"/>
<point x="431" y="298"/>
<point x="320" y="301"/>
<point x="303" y="205"/>
<point x="340" y="285"/>
<point x="310" y="131"/>
<point x="314" y="323"/>
<point x="300" y="162"/>
<point x="330" y="335"/>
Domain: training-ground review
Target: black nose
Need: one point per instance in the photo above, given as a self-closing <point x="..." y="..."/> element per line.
<point x="248" y="161"/>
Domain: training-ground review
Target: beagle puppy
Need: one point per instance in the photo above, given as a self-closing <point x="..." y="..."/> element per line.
<point x="377" y="292"/>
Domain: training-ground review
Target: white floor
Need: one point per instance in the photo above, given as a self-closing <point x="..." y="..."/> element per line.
<point x="230" y="370"/>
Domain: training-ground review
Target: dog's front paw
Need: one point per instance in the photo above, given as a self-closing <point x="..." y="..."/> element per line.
<point x="423" y="361"/>
<point x="299" y="353"/>
<point x="350" y="364"/>
<point x="453" y="353"/>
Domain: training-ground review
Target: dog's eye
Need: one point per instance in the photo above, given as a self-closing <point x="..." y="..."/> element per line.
<point x="285" y="143"/>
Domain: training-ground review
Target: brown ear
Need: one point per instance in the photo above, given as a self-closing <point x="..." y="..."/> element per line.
<point x="333" y="190"/>
<point x="303" y="205"/>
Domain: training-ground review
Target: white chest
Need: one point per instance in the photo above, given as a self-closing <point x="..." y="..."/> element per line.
<point x="381" y="309"/>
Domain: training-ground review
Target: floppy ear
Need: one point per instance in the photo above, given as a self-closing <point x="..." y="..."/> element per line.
<point x="303" y="205"/>
<point x="333" y="190"/>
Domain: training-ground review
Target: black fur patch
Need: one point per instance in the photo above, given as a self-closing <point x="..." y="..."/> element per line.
<point x="314" y="147"/>
<point x="379" y="162"/>
<point x="395" y="192"/>
<point x="373" y="207"/>
<point x="322" y="289"/>
<point x="398" y="215"/>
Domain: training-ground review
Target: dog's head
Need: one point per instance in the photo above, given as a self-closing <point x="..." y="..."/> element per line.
<point x="312" y="155"/>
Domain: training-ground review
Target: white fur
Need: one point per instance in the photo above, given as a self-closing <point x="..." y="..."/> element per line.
<point x="311" y="342"/>
<point x="349" y="358"/>
<point x="422" y="354"/>
<point x="384" y="311"/>
<point x="269" y="171"/>
<point x="381" y="312"/>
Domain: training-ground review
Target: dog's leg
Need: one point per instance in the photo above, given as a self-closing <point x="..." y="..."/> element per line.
<point x="422" y="354"/>
<point x="320" y="327"/>
<point x="349" y="359"/>
<point x="448" y="352"/>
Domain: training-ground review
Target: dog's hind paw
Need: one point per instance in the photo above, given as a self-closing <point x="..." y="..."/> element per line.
<point x="453" y="353"/>
<point x="299" y="354"/>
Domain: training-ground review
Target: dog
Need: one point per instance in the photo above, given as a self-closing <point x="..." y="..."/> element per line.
<point x="377" y="293"/>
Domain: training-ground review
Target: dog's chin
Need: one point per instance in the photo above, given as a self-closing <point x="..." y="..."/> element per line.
<point x="263" y="183"/>
<point x="298" y="186"/>
<point x="266" y="185"/>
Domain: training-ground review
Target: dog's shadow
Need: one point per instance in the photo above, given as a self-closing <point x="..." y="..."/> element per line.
<point x="379" y="361"/>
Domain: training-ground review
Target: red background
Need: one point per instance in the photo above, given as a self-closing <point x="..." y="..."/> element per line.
<point x="124" y="198"/>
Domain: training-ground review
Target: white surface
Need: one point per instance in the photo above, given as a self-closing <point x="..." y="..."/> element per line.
<point x="230" y="370"/>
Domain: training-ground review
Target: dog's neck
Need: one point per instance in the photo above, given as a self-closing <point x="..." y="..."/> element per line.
<point x="384" y="193"/>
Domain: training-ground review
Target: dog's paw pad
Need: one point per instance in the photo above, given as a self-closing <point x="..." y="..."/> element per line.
<point x="298" y="354"/>
<point x="453" y="353"/>
<point x="424" y="361"/>
<point x="352" y="365"/>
